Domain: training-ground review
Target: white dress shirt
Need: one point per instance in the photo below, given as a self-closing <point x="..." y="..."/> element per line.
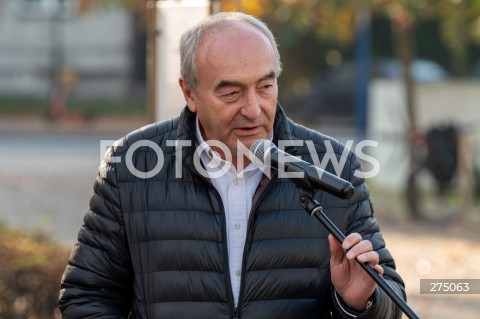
<point x="236" y="190"/>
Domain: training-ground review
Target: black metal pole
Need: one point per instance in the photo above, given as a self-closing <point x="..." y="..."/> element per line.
<point x="314" y="209"/>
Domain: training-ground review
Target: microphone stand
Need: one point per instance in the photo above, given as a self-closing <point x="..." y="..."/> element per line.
<point x="314" y="209"/>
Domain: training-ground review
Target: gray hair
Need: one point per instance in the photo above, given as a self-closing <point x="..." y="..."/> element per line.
<point x="190" y="40"/>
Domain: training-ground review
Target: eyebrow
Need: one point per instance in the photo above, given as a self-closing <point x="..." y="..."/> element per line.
<point x="268" y="76"/>
<point x="226" y="83"/>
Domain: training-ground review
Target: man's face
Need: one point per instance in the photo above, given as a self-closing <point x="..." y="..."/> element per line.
<point x="237" y="87"/>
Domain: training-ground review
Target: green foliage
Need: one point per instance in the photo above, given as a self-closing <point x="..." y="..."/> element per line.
<point x="26" y="105"/>
<point x="333" y="21"/>
<point x="31" y="269"/>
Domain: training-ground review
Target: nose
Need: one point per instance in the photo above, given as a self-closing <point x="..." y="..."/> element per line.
<point x="251" y="106"/>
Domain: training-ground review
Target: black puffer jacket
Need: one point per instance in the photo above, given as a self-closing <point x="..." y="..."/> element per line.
<point x="156" y="247"/>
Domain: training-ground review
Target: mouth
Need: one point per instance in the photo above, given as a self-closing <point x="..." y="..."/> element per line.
<point x="247" y="130"/>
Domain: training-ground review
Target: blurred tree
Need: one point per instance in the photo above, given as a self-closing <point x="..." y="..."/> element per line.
<point x="333" y="21"/>
<point x="328" y="19"/>
<point x="298" y="23"/>
<point x="460" y="24"/>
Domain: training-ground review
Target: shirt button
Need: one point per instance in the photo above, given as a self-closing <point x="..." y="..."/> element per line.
<point x="238" y="273"/>
<point x="237" y="226"/>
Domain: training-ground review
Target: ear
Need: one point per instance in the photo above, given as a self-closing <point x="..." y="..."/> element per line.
<point x="187" y="94"/>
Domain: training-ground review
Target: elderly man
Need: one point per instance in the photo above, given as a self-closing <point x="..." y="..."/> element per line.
<point x="207" y="234"/>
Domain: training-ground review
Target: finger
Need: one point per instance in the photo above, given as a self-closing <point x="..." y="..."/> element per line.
<point x="378" y="269"/>
<point x="351" y="240"/>
<point x="336" y="250"/>
<point x="370" y="257"/>
<point x="360" y="248"/>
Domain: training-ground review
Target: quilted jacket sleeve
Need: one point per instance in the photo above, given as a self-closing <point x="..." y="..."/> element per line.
<point x="361" y="220"/>
<point x="97" y="280"/>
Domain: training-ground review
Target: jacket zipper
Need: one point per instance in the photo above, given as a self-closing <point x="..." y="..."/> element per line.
<point x="235" y="313"/>
<point x="226" y="264"/>
<point x="256" y="203"/>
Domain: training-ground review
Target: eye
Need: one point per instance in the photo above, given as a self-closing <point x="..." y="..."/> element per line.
<point x="232" y="93"/>
<point x="230" y="96"/>
<point x="266" y="87"/>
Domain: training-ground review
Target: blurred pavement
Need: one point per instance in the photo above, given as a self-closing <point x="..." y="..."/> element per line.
<point x="47" y="171"/>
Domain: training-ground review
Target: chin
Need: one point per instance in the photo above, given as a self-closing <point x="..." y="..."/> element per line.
<point x="244" y="141"/>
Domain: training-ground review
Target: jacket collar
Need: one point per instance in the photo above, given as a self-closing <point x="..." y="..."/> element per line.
<point x="281" y="127"/>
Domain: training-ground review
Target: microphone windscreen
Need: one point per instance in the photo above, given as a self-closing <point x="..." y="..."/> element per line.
<point x="259" y="148"/>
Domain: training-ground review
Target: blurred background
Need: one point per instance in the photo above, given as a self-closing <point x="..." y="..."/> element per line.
<point x="404" y="74"/>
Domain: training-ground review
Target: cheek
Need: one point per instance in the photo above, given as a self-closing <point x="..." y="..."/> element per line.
<point x="270" y="110"/>
<point x="216" y="123"/>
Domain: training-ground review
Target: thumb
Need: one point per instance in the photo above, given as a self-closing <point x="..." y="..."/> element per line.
<point x="336" y="250"/>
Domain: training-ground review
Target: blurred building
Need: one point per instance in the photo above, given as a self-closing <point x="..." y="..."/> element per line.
<point x="99" y="53"/>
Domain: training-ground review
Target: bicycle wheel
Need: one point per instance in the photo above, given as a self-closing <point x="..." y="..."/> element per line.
<point x="428" y="200"/>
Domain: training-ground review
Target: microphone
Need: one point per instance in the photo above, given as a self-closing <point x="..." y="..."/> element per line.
<point x="314" y="179"/>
